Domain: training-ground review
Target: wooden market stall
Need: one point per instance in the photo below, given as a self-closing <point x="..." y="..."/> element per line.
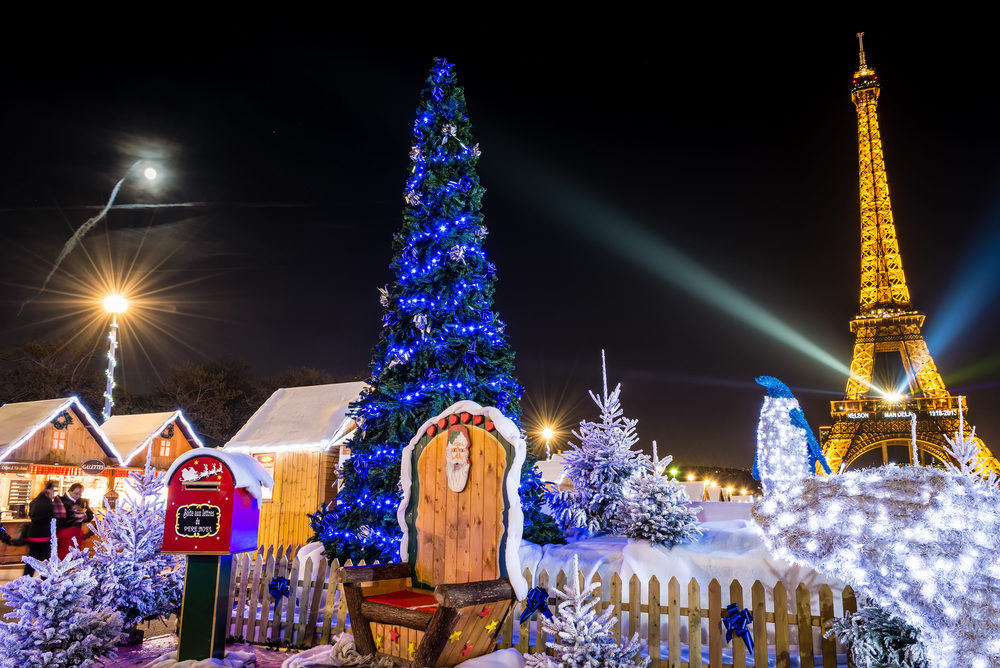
<point x="299" y="436"/>
<point x="51" y="439"/>
<point x="167" y="435"/>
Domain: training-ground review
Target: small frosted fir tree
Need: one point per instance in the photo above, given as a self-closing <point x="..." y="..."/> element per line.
<point x="135" y="577"/>
<point x="600" y="467"/>
<point x="656" y="508"/>
<point x="874" y="638"/>
<point x="581" y="637"/>
<point x="58" y="623"/>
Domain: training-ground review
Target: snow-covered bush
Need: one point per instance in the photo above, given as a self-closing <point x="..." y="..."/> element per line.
<point x="874" y="638"/>
<point x="582" y="638"/>
<point x="135" y="578"/>
<point x="600" y="466"/>
<point x="656" y="509"/>
<point x="57" y="621"/>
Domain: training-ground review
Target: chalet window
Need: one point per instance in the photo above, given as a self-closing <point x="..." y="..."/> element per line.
<point x="266" y="460"/>
<point x="58" y="439"/>
<point x="164" y="447"/>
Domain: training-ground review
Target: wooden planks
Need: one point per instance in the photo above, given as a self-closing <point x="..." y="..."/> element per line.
<point x="458" y="534"/>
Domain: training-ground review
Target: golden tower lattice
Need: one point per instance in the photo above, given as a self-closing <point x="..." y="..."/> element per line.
<point x="870" y="417"/>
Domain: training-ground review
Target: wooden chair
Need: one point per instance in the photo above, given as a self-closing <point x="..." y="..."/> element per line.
<point x="460" y="572"/>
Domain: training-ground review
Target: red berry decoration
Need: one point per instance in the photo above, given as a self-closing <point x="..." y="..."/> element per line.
<point x="430" y="430"/>
<point x="442" y="423"/>
<point x="466" y="417"/>
<point x="453" y="419"/>
<point x="489" y="425"/>
<point x="477" y="419"/>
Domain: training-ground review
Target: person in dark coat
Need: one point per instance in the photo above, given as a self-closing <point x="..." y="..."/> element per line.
<point x="43" y="509"/>
<point x="78" y="513"/>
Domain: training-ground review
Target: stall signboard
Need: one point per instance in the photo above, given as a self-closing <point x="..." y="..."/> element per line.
<point x="207" y="513"/>
<point x="93" y="467"/>
<point x="13" y="467"/>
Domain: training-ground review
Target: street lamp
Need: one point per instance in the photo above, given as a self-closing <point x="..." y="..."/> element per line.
<point x="115" y="305"/>
<point x="547" y="433"/>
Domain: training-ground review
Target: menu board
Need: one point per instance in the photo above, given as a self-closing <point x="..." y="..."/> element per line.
<point x="198" y="520"/>
<point x="20" y="492"/>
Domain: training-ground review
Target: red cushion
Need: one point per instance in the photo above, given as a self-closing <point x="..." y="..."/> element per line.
<point x="409" y="600"/>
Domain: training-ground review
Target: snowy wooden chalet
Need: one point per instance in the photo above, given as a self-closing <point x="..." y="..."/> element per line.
<point x="167" y="435"/>
<point x="299" y="436"/>
<point x="52" y="439"/>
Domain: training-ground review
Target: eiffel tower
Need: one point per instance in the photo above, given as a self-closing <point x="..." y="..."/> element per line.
<point x="870" y="417"/>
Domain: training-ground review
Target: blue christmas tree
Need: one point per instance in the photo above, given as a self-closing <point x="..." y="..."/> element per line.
<point x="440" y="342"/>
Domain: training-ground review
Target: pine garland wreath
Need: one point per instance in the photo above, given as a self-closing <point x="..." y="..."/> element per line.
<point x="168" y="431"/>
<point x="874" y="638"/>
<point x="581" y="637"/>
<point x="62" y="420"/>
<point x="441" y="341"/>
<point x="57" y="619"/>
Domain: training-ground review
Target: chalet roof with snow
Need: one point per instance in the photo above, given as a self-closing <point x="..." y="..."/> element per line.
<point x="300" y="418"/>
<point x="132" y="433"/>
<point x="20" y="420"/>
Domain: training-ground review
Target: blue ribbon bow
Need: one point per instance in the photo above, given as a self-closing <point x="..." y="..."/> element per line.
<point x="279" y="587"/>
<point x="736" y="622"/>
<point x="536" y="601"/>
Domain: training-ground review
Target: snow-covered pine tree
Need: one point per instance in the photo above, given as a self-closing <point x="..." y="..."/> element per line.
<point x="874" y="638"/>
<point x="135" y="577"/>
<point x="581" y="637"/>
<point x="600" y="467"/>
<point x="58" y="623"/>
<point x="656" y="508"/>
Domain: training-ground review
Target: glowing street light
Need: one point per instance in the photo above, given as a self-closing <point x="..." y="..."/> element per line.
<point x="690" y="477"/>
<point x="114" y="304"/>
<point x="547" y="433"/>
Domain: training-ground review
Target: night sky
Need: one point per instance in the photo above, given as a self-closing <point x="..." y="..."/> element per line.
<point x="732" y="149"/>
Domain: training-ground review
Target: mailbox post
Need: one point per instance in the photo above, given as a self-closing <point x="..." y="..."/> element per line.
<point x="213" y="508"/>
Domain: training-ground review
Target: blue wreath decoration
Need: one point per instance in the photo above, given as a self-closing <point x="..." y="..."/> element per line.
<point x="279" y="587"/>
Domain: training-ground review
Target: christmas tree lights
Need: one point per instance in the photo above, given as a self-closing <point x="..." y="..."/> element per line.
<point x="922" y="542"/>
<point x="440" y="342"/>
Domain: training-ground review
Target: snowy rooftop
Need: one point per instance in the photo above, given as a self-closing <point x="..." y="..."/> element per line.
<point x="19" y="421"/>
<point x="313" y="417"/>
<point x="132" y="433"/>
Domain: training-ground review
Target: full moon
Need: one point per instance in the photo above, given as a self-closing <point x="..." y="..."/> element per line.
<point x="149" y="173"/>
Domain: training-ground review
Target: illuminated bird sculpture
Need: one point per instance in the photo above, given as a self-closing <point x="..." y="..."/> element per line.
<point x="922" y="542"/>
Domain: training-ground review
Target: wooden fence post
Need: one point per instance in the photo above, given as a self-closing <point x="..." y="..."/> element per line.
<point x="714" y="624"/>
<point x="694" y="624"/>
<point x="782" y="653"/>
<point x="759" y="624"/>
<point x="653" y="621"/>
<point x="826" y="616"/>
<point x="674" y="621"/>
<point x="739" y="646"/>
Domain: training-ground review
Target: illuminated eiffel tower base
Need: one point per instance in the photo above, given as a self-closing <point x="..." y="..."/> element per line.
<point x="873" y="418"/>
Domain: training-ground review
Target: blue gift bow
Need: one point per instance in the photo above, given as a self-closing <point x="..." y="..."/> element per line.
<point x="736" y="621"/>
<point x="536" y="601"/>
<point x="279" y="587"/>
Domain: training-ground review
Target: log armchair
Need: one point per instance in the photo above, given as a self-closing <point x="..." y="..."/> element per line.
<point x="462" y="522"/>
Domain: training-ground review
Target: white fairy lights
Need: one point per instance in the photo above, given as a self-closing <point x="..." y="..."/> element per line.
<point x="922" y="542"/>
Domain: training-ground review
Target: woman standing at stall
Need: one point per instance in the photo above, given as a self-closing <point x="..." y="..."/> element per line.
<point x="43" y="509"/>
<point x="78" y="513"/>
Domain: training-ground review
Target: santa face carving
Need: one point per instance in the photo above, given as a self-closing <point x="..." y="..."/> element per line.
<point x="457" y="458"/>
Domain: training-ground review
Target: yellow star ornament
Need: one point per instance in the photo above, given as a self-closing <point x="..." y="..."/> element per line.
<point x="492" y="626"/>
<point x="378" y="642"/>
<point x="412" y="648"/>
<point x="455" y="635"/>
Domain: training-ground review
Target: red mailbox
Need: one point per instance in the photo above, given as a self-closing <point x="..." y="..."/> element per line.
<point x="213" y="503"/>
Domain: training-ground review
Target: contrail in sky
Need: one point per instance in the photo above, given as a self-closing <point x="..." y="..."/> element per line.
<point x="79" y="234"/>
